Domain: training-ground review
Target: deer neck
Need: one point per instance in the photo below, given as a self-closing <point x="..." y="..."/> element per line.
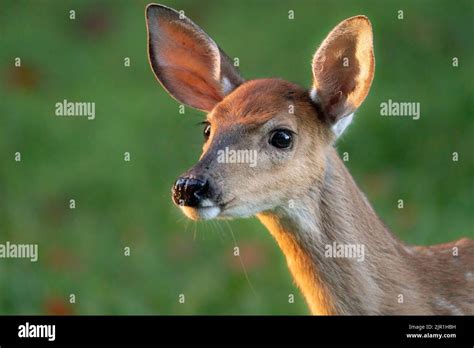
<point x="339" y="252"/>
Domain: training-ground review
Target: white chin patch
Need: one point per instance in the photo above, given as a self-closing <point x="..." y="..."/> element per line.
<point x="204" y="213"/>
<point x="209" y="212"/>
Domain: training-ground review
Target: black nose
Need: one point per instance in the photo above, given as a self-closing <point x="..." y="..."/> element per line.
<point x="189" y="191"/>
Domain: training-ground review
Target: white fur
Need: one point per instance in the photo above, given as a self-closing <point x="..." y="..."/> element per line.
<point x="314" y="95"/>
<point x="209" y="212"/>
<point x="207" y="203"/>
<point x="339" y="127"/>
<point x="206" y="213"/>
<point x="227" y="86"/>
<point x="443" y="303"/>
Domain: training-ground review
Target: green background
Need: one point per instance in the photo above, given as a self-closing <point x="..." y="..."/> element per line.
<point x="127" y="204"/>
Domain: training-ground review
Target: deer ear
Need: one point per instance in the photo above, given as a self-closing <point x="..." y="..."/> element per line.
<point x="343" y="69"/>
<point x="186" y="61"/>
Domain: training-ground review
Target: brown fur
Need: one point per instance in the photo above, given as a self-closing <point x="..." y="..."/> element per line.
<point x="304" y="195"/>
<point x="351" y="43"/>
<point x="335" y="210"/>
<point x="431" y="279"/>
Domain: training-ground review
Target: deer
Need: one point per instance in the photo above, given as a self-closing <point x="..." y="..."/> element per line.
<point x="300" y="189"/>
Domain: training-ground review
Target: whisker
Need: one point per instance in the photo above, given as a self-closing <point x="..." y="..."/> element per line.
<point x="240" y="260"/>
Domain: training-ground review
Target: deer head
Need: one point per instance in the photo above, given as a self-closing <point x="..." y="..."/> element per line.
<point x="280" y="130"/>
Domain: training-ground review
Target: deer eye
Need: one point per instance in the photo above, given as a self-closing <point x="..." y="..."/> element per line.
<point x="281" y="139"/>
<point x="207" y="130"/>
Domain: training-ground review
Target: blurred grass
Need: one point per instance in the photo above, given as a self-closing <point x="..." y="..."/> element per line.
<point x="122" y="204"/>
